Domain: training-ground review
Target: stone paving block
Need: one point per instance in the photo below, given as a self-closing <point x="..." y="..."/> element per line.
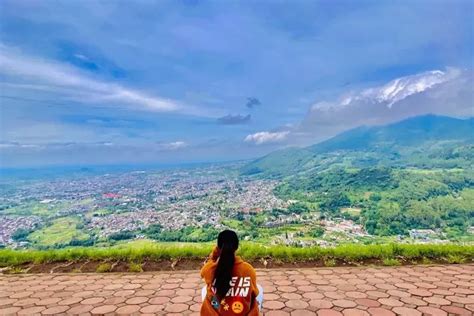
<point x="359" y="291"/>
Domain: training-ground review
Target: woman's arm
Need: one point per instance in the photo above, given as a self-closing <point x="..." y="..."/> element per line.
<point x="215" y="254"/>
<point x="210" y="261"/>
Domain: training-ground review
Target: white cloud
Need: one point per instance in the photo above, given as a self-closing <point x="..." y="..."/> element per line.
<point x="395" y="90"/>
<point x="81" y="57"/>
<point x="173" y="145"/>
<point x="266" y="137"/>
<point x="65" y="79"/>
<point x="15" y="145"/>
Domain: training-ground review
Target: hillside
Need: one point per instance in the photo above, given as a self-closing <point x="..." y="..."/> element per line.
<point x="410" y="132"/>
<point x="412" y="141"/>
<point x="391" y="180"/>
<point x="280" y="163"/>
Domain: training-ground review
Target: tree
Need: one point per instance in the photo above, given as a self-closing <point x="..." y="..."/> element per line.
<point x="298" y="208"/>
<point x="333" y="201"/>
<point x="122" y="235"/>
<point x="20" y="234"/>
<point x="317" y="232"/>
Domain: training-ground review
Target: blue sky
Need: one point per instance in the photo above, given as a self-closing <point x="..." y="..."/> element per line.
<point x="89" y="82"/>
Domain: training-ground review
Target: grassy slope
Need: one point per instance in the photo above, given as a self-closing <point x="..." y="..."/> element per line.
<point x="377" y="145"/>
<point x="62" y="231"/>
<point x="250" y="251"/>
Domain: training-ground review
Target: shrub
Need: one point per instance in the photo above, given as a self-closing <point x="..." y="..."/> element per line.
<point x="20" y="234"/>
<point x="122" y="235"/>
<point x="135" y="267"/>
<point x="391" y="262"/>
<point x="456" y="259"/>
<point x="103" y="267"/>
<point x="16" y="270"/>
<point x="426" y="261"/>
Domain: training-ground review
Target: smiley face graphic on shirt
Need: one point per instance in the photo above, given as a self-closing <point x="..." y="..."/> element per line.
<point x="237" y="307"/>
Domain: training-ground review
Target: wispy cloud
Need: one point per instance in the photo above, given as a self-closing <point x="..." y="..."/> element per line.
<point x="173" y="145"/>
<point x="40" y="74"/>
<point x="161" y="146"/>
<point x="12" y="145"/>
<point x="266" y="137"/>
<point x="234" y="119"/>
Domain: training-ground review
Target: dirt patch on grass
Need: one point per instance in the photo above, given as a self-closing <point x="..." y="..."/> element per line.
<point x="84" y="266"/>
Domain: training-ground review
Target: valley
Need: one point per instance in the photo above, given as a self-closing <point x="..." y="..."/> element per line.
<point x="409" y="182"/>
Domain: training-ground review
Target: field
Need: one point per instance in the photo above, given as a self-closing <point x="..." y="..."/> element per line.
<point x="62" y="231"/>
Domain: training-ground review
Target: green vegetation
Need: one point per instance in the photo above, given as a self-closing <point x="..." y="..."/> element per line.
<point x="135" y="267"/>
<point x="399" y="200"/>
<point x="454" y="258"/>
<point x="186" y="234"/>
<point x="391" y="262"/>
<point x="414" y="174"/>
<point x="16" y="270"/>
<point x="422" y="142"/>
<point x="330" y="263"/>
<point x="249" y="251"/>
<point x="317" y="232"/>
<point x="103" y="267"/>
<point x="124" y="235"/>
<point x="20" y="234"/>
<point x="34" y="208"/>
<point x="62" y="231"/>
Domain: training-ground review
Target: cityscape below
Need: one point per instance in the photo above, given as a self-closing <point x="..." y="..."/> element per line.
<point x="329" y="197"/>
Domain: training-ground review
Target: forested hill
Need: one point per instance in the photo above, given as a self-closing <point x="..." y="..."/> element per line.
<point x="425" y="141"/>
<point x="410" y="132"/>
<point x="414" y="174"/>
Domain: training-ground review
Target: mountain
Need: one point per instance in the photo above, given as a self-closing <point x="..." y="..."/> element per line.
<point x="280" y="163"/>
<point x="388" y="144"/>
<point x="410" y="132"/>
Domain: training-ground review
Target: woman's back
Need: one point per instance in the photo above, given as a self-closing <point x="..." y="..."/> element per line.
<point x="231" y="284"/>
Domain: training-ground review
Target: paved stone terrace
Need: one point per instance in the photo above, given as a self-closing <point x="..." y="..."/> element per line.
<point x="434" y="290"/>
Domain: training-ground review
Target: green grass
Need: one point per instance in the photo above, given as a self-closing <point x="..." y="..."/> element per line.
<point x="135" y="267"/>
<point x="391" y="262"/>
<point x="61" y="231"/>
<point x="233" y="224"/>
<point x="351" y="210"/>
<point x="37" y="209"/>
<point x="137" y="252"/>
<point x="103" y="267"/>
<point x="329" y="263"/>
<point x="456" y="259"/>
<point x="17" y="270"/>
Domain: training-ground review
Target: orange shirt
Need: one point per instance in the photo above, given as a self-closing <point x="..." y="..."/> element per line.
<point x="240" y="299"/>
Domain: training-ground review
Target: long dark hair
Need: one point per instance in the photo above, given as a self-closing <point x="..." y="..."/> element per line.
<point x="228" y="242"/>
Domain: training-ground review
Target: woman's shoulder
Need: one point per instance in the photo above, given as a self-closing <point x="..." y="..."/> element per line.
<point x="244" y="265"/>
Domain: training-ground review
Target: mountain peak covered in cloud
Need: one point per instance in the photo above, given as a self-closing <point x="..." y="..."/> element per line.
<point x="396" y="89"/>
<point x="449" y="92"/>
<point x="403" y="87"/>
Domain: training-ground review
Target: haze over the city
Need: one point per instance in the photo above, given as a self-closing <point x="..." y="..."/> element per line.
<point x="185" y="81"/>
